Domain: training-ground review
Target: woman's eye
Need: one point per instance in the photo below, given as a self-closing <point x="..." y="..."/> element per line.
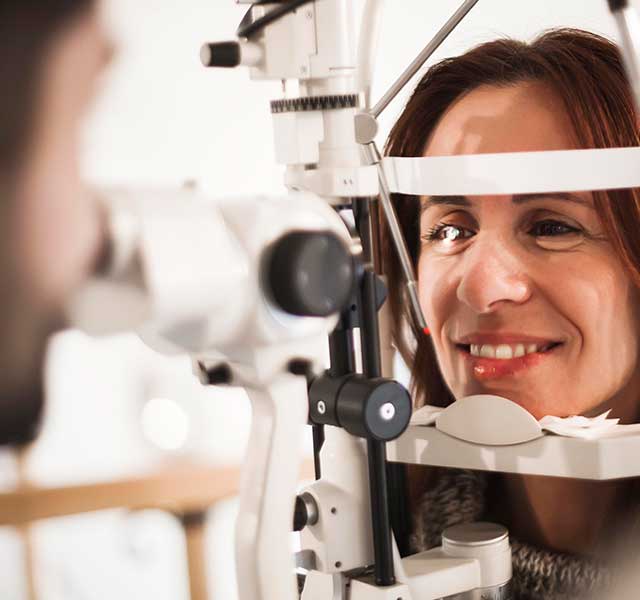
<point x="556" y="235"/>
<point x="552" y="228"/>
<point x="447" y="233"/>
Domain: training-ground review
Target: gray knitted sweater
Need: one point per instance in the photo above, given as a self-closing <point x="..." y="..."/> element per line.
<point x="460" y="496"/>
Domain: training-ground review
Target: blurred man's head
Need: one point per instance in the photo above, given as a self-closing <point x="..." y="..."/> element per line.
<point x="51" y="52"/>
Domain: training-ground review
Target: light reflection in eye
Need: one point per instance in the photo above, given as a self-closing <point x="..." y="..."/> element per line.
<point x="452" y="233"/>
<point x="445" y="232"/>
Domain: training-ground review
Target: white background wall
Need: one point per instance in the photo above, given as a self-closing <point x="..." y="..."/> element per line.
<point x="162" y="118"/>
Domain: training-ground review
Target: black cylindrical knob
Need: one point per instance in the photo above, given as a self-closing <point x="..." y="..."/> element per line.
<point x="221" y="54"/>
<point x="309" y="274"/>
<point x="375" y="409"/>
<point x="299" y="515"/>
<point x="324" y="393"/>
<point x="306" y="512"/>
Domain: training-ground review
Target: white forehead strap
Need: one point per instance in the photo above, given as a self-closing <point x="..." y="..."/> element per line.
<point x="515" y="173"/>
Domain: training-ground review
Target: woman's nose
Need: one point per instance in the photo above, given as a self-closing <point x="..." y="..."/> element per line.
<point x="493" y="273"/>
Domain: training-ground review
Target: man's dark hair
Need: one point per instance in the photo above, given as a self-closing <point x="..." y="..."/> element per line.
<point x="27" y="32"/>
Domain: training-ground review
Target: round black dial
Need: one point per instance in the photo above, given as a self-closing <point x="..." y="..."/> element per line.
<point x="310" y="274"/>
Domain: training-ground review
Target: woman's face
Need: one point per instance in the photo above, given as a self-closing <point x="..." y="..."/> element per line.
<point x="524" y="296"/>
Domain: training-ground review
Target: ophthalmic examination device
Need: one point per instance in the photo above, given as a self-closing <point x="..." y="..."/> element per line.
<point x="265" y="293"/>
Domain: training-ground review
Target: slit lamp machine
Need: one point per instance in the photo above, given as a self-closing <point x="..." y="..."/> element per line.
<point x="306" y="279"/>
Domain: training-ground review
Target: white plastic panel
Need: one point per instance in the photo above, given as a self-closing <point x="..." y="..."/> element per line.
<point x="490" y="420"/>
<point x="551" y="455"/>
<point x="515" y="173"/>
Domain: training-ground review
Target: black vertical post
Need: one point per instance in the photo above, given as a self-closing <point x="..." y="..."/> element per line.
<point x="317" y="431"/>
<point x="376" y="451"/>
<point x="342" y="363"/>
<point x="341" y="350"/>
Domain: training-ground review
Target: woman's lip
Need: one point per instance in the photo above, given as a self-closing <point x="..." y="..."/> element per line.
<point x="484" y="369"/>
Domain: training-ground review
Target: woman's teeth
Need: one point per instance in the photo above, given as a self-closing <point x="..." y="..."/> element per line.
<point x="506" y="351"/>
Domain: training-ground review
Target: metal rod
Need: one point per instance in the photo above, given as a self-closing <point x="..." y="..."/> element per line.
<point x="397" y="238"/>
<point x="342" y="362"/>
<point x="371" y="363"/>
<point x="422" y="58"/>
<point x="376" y="451"/>
<point x="376" y="245"/>
<point x="367" y="300"/>
<point x="341" y="350"/>
<point x="317" y="432"/>
<point x="369" y="324"/>
<point x="382" y="541"/>
<point x="194" y="527"/>
<point x="399" y="506"/>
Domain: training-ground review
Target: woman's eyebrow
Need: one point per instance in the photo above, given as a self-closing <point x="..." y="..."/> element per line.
<point x="522" y="198"/>
<point x="429" y="201"/>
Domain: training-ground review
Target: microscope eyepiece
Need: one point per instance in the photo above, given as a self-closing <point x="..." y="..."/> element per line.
<point x="309" y="274"/>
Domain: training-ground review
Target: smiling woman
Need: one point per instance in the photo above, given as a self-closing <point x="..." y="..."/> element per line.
<point x="533" y="297"/>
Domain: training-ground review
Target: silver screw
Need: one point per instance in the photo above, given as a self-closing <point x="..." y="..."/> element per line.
<point x="387" y="411"/>
<point x="322" y="407"/>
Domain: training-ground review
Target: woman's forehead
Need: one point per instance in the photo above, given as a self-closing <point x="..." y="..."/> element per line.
<point x="524" y="117"/>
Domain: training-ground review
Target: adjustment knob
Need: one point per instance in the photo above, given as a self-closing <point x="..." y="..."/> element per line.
<point x="374" y="409"/>
<point x="306" y="512"/>
<point x="221" y="54"/>
<point x="310" y="274"/>
<point x="231" y="54"/>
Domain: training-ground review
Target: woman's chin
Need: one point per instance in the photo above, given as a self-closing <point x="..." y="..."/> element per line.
<point x="517" y="379"/>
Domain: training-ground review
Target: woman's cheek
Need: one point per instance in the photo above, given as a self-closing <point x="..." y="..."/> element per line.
<point x="434" y="294"/>
<point x="611" y="325"/>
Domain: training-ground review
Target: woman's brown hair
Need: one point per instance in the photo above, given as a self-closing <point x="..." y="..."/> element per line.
<point x="586" y="73"/>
